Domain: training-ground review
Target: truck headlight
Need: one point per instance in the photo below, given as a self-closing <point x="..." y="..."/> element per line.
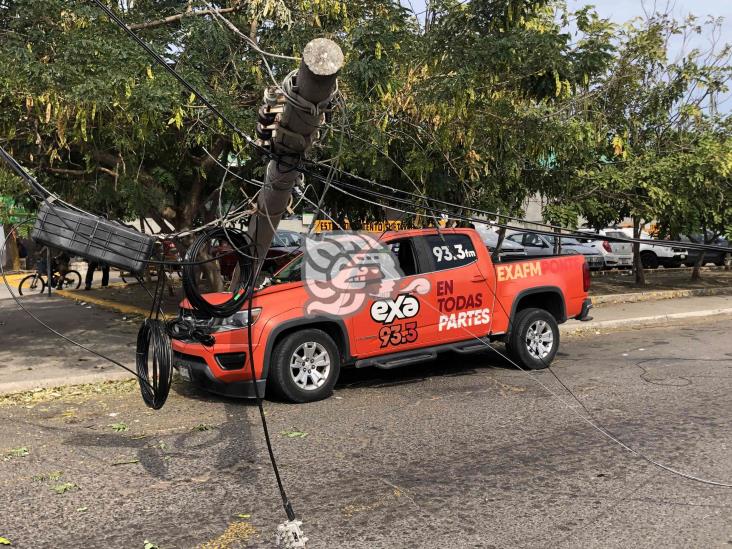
<point x="237" y="320"/>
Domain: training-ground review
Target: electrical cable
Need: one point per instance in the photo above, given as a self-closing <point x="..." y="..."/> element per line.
<point x="590" y="419"/>
<point x="154" y="382"/>
<point x="300" y="167"/>
<point x="187" y="85"/>
<point x="259" y="397"/>
<point x="40" y="190"/>
<point x="49" y="328"/>
<point x="239" y="293"/>
<point x="153" y="336"/>
<point x="568" y="233"/>
<point x="245" y="283"/>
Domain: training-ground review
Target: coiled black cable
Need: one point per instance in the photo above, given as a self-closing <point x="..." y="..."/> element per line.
<point x="156" y="375"/>
<point x="184" y="329"/>
<point x="243" y="248"/>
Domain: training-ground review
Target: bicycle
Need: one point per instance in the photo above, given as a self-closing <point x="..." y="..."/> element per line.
<point x="36" y="283"/>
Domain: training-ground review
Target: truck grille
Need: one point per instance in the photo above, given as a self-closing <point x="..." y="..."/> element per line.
<point x="194" y="314"/>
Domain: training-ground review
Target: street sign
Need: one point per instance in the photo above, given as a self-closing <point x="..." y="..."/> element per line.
<point x="11" y="212"/>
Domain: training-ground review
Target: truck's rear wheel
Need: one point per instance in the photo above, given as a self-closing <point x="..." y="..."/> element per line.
<point x="534" y="338"/>
<point x="649" y="260"/>
<point x="305" y="366"/>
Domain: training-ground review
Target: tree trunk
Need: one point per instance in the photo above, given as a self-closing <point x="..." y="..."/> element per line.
<point x="696" y="271"/>
<point x="640" y="275"/>
<point x="212" y="272"/>
<point x="11" y="249"/>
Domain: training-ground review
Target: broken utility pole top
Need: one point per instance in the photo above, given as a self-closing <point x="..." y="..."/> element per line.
<point x="308" y="94"/>
<point x="323" y="57"/>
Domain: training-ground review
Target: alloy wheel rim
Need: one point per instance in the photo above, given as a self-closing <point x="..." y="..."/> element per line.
<point x="539" y="339"/>
<point x="310" y="366"/>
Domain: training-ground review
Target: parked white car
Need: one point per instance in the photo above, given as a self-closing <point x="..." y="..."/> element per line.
<point x="652" y="256"/>
<point x="615" y="254"/>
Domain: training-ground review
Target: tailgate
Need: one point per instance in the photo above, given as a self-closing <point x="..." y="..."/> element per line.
<point x="624" y="248"/>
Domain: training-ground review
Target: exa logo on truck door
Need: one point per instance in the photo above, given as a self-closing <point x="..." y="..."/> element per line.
<point x="389" y="310"/>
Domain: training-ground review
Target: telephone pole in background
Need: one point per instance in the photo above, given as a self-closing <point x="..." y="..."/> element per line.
<point x="290" y="132"/>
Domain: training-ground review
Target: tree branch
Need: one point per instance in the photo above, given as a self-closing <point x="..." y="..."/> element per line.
<point x="178" y="17"/>
<point x="64" y="171"/>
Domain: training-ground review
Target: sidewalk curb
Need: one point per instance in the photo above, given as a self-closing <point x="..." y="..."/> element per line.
<point x="640" y="321"/>
<point x="14" y="279"/>
<point x="104" y="303"/>
<point x="656" y="295"/>
<point x="81" y="379"/>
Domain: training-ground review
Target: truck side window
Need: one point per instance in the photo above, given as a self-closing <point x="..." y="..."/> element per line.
<point x="404" y="251"/>
<point x="451" y="250"/>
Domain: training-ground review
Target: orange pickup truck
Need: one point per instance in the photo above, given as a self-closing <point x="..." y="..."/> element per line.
<point x="423" y="292"/>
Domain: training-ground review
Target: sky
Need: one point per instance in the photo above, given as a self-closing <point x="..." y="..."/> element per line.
<point x="621" y="11"/>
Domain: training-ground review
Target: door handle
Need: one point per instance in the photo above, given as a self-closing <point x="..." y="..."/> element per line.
<point x="478" y="278"/>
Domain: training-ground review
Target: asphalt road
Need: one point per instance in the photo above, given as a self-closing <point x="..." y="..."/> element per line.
<point x="30" y="356"/>
<point x="464" y="452"/>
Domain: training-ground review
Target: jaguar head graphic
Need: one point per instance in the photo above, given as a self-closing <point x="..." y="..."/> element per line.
<point x="342" y="270"/>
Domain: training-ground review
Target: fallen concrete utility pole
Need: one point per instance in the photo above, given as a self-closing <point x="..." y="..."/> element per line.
<point x="307" y="94"/>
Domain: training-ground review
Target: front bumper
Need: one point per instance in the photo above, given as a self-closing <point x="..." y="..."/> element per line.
<point x="194" y="369"/>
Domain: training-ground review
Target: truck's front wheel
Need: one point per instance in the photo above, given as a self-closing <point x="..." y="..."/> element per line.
<point x="534" y="338"/>
<point x="305" y="366"/>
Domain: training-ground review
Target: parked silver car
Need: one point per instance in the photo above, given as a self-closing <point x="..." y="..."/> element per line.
<point x="509" y="248"/>
<point x="614" y="254"/>
<point x="539" y="245"/>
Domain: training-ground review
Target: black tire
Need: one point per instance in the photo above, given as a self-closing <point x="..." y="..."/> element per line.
<point x="31" y="284"/>
<point x="518" y="346"/>
<point x="649" y="260"/>
<point x="282" y="375"/>
<point x="72" y="281"/>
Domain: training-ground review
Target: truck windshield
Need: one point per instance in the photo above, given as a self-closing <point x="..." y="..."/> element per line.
<point x="292" y="272"/>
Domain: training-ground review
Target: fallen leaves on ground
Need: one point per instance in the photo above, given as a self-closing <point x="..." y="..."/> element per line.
<point x="118" y="427"/>
<point x="19" y="452"/>
<point x="71" y="393"/>
<point x="53" y="475"/>
<point x="65" y="487"/>
<point x="234" y="534"/>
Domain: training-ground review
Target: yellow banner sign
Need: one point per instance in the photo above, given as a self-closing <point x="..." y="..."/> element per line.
<point x="324" y="225"/>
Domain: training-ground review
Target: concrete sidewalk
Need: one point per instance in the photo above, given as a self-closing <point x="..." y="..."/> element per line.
<point x="646" y="313"/>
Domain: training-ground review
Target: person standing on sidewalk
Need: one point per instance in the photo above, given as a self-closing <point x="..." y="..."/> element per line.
<point x="93" y="266"/>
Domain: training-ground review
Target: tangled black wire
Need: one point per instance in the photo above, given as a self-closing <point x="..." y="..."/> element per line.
<point x="155" y="379"/>
<point x="243" y="248"/>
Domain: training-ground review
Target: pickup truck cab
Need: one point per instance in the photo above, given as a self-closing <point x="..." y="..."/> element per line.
<point x="449" y="296"/>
